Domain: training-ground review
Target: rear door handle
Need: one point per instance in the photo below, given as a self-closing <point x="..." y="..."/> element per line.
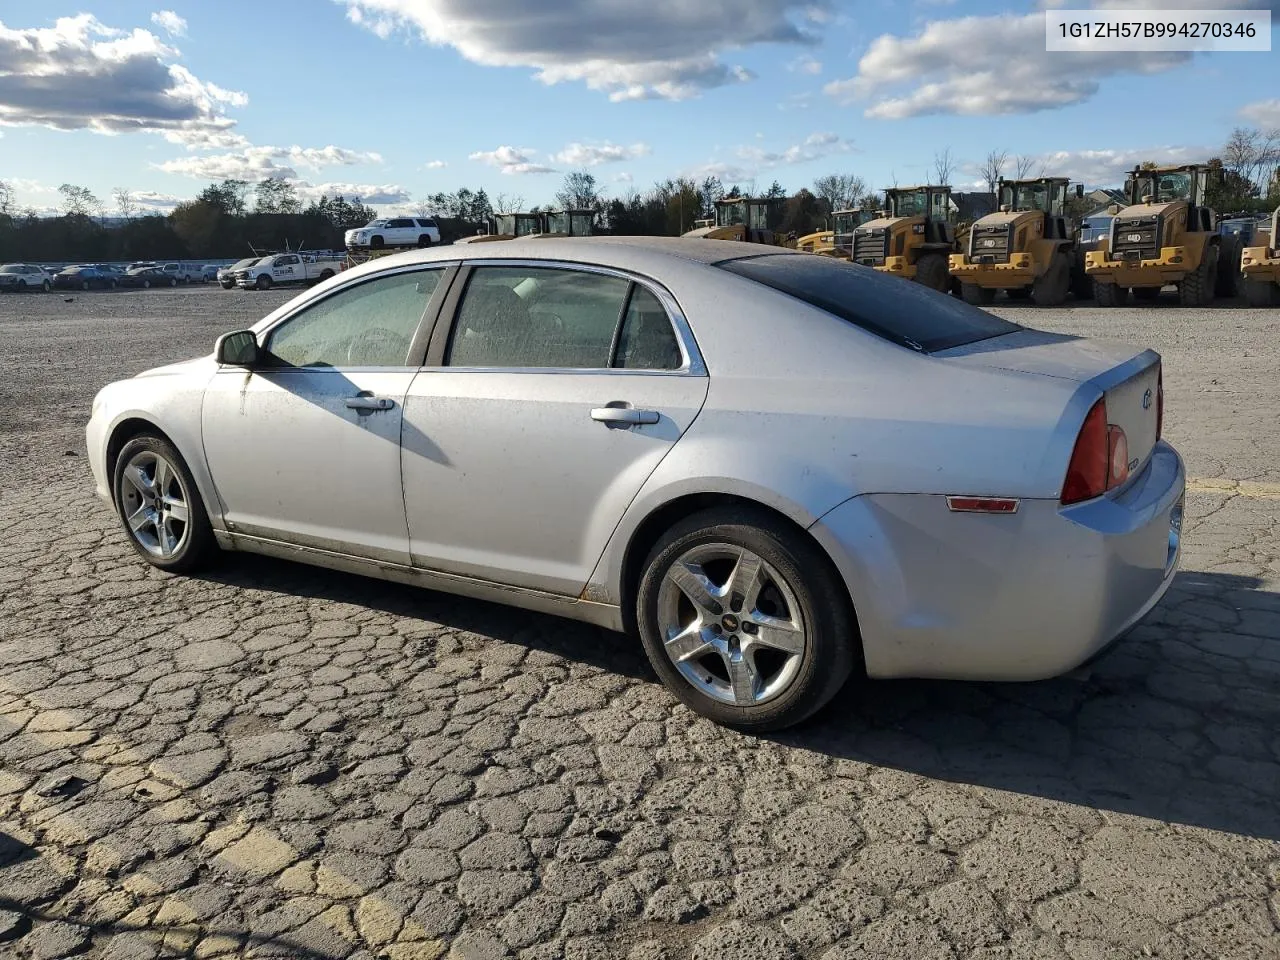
<point x="624" y="415"/>
<point x="370" y="403"/>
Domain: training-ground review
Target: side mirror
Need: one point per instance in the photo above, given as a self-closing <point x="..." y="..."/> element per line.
<point x="238" y="349"/>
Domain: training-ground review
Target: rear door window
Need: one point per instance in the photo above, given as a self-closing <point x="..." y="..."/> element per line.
<point x="900" y="311"/>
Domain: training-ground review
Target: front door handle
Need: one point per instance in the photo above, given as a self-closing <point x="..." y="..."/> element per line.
<point x="626" y="416"/>
<point x="370" y="403"/>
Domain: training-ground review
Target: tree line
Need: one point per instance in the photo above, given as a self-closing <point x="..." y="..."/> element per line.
<point x="232" y="218"/>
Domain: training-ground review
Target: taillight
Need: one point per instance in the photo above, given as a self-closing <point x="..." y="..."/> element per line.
<point x="1100" y="459"/>
<point x="1160" y="404"/>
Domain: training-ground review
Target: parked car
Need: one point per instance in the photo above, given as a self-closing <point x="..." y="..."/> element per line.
<point x="181" y="272"/>
<point x="775" y="468"/>
<point x="147" y="275"/>
<point x="227" y="275"/>
<point x="286" y="268"/>
<point x="394" y="232"/>
<point x="22" y="277"/>
<point x="87" y="276"/>
<point x="208" y="272"/>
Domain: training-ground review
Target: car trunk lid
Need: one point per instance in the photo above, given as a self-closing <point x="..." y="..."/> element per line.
<point x="1127" y="376"/>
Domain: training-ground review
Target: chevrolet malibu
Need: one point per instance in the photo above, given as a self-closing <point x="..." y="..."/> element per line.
<point x="774" y="469"/>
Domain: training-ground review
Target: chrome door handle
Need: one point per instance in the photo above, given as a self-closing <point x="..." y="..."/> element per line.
<point x="370" y="403"/>
<point x="624" y="415"/>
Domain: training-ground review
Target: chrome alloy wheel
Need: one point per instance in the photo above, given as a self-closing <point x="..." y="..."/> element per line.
<point x="731" y="624"/>
<point x="154" y="502"/>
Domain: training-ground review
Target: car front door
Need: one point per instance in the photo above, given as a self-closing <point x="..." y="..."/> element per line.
<point x="285" y="269"/>
<point x="543" y="408"/>
<point x="305" y="447"/>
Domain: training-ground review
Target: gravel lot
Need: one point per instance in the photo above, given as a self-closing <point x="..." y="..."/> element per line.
<point x="278" y="761"/>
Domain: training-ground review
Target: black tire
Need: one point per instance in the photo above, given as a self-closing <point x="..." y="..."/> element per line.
<point x="1109" y="294"/>
<point x="325" y="275"/>
<point x="46" y="286"/>
<point x="1229" y="280"/>
<point x="85" y="285"/>
<point x="146" y="284"/>
<point x="226" y="286"/>
<point x="173" y="281"/>
<point x="1146" y="293"/>
<point x="113" y="284"/>
<point x="932" y="272"/>
<point x="197" y="546"/>
<point x="832" y="647"/>
<point x="1019" y="293"/>
<point x="1052" y="287"/>
<point x="1081" y="284"/>
<point x="1196" y="288"/>
<point x="22" y="286"/>
<point x="375" y="243"/>
<point x="1261" y="293"/>
<point x="978" y="296"/>
<point x="424" y="240"/>
<point x="263" y="282"/>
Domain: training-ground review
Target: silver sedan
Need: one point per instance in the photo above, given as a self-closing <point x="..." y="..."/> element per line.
<point x="775" y="469"/>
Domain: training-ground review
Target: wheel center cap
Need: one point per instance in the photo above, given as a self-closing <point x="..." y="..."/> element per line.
<point x="730" y="623"/>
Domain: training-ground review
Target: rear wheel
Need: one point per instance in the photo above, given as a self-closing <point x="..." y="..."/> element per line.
<point x="1146" y="293"/>
<point x="85" y="285"/>
<point x="1261" y="293"/>
<point x="1051" y="288"/>
<point x="745" y="619"/>
<point x="22" y="286"/>
<point x="173" y="281"/>
<point x="424" y="241"/>
<point x="931" y="270"/>
<point x="978" y="296"/>
<point x="160" y="507"/>
<point x="1109" y="294"/>
<point x="1196" y="288"/>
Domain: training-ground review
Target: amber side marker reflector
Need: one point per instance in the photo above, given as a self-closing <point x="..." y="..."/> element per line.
<point x="982" y="504"/>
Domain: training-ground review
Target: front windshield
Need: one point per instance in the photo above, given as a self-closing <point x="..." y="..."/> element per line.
<point x="731" y="214"/>
<point x="1026" y="196"/>
<point x="849" y="221"/>
<point x="1163" y="187"/>
<point x="376" y="223"/>
<point x="910" y="204"/>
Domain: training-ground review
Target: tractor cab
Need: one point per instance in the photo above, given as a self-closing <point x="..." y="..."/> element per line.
<point x="509" y="226"/>
<point x="913" y="238"/>
<point x="750" y="219"/>
<point x="843" y="224"/>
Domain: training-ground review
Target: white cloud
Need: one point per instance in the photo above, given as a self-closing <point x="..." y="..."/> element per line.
<point x="813" y="147"/>
<point x="170" y="23"/>
<point x="152" y="201"/>
<point x="988" y="65"/>
<point x="434" y="165"/>
<point x="1264" y="113"/>
<point x="725" y="172"/>
<point x="261" y="163"/>
<point x="511" y="160"/>
<point x="587" y="155"/>
<point x="81" y="74"/>
<point x="623" y="177"/>
<point x="376" y="194"/>
<point x="629" y="49"/>
<point x="806" y="64"/>
<point x="1108" y="167"/>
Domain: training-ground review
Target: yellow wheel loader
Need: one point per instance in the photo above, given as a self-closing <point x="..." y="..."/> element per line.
<point x="1027" y="247"/>
<point x="1260" y="266"/>
<point x="912" y="238"/>
<point x="1166" y="235"/>
<point x="754" y="220"/>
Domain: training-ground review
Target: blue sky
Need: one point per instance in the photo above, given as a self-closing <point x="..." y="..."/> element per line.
<point x="392" y="100"/>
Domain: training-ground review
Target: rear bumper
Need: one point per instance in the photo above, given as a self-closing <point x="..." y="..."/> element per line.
<point x="1019" y="272"/>
<point x="1017" y="597"/>
<point x="1170" y="267"/>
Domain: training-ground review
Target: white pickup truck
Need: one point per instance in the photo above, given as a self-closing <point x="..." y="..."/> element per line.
<point x="286" y="268"/>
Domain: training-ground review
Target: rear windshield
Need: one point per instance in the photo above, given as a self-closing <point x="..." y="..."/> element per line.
<point x="898" y="310"/>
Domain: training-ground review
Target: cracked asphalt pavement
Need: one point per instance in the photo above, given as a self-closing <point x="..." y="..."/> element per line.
<point x="274" y="760"/>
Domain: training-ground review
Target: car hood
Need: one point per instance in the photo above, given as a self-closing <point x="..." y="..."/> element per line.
<point x="183" y="367"/>
<point x="1048" y="354"/>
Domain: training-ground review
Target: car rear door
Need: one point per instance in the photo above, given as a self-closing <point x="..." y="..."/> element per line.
<point x="547" y="402"/>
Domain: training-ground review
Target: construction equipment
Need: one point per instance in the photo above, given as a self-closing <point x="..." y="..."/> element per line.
<point x="1260" y="266"/>
<point x="1028" y="247"/>
<point x="843" y="225"/>
<point x="750" y="219"/>
<point x="1166" y="235"/>
<point x="568" y="223"/>
<point x="912" y="238"/>
<point x="509" y="226"/>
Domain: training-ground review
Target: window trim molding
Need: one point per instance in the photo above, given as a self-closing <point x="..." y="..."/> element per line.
<point x="692" y="363"/>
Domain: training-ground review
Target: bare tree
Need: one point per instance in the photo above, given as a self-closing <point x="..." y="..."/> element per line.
<point x="508" y="203"/>
<point x="77" y="201"/>
<point x="126" y="205"/>
<point x="6" y="198"/>
<point x="424" y="208"/>
<point x="1024" y="165"/>
<point x="943" y="166"/>
<point x="840" y="190"/>
<point x="579" y="192"/>
<point x="993" y="168"/>
<point x="1250" y="154"/>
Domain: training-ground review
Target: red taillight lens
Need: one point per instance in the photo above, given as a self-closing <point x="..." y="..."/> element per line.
<point x="1087" y="471"/>
<point x="1100" y="459"/>
<point x="1160" y="404"/>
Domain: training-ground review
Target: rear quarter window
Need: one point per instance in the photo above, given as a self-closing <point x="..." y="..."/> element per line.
<point x="890" y="307"/>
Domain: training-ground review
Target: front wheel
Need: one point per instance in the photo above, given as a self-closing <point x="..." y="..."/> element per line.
<point x="1052" y="287"/>
<point x="264" y="282"/>
<point x="146" y="284"/>
<point x="22" y="286"/>
<point x="173" y="281"/>
<point x="931" y="270"/>
<point x="157" y="501"/>
<point x="46" y="286"/>
<point x="745" y="619"/>
<point x="85" y="285"/>
<point x="978" y="296"/>
<point x="1109" y="294"/>
<point x="376" y="243"/>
